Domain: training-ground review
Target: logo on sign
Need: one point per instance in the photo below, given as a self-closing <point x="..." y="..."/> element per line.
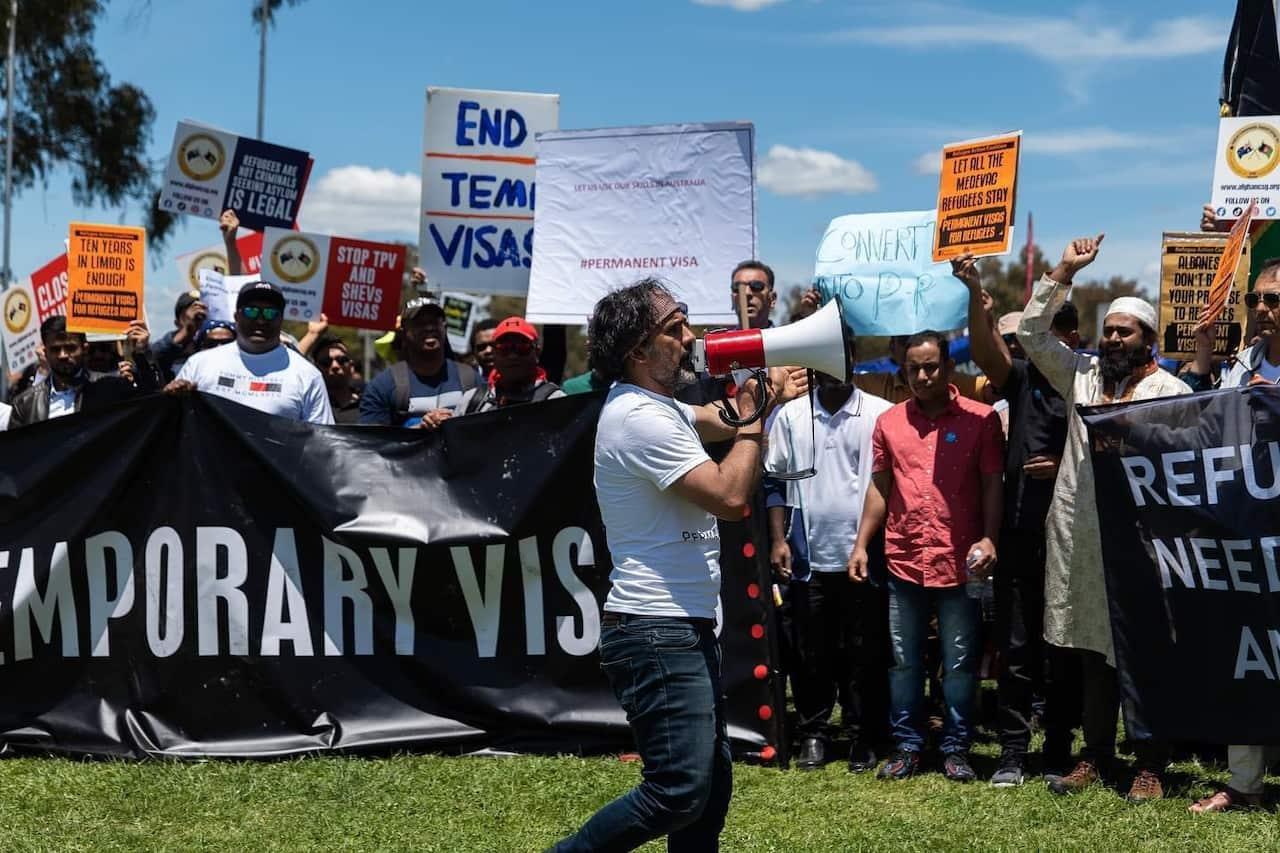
<point x="201" y="157"/>
<point x="295" y="259"/>
<point x="212" y="261"/>
<point x="17" y="311"/>
<point x="1254" y="150"/>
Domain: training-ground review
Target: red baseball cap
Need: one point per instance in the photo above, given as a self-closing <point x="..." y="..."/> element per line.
<point x="516" y="326"/>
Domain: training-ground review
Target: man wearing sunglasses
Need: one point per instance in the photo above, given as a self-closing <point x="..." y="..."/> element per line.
<point x="1260" y="362"/>
<point x="259" y="371"/>
<point x="331" y="356"/>
<point x="516" y="376"/>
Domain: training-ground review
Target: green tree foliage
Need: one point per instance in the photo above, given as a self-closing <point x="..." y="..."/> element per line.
<point x="69" y="114"/>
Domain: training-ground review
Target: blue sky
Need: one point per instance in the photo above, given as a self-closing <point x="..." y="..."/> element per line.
<point x="851" y="101"/>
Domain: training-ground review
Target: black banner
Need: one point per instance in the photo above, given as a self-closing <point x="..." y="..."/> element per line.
<point x="189" y="577"/>
<point x="1188" y="493"/>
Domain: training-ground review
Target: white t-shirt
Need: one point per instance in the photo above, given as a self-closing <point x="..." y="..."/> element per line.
<point x="279" y="382"/>
<point x="666" y="550"/>
<point x="830" y="500"/>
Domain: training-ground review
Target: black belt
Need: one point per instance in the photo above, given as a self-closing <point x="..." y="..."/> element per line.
<point x="610" y="619"/>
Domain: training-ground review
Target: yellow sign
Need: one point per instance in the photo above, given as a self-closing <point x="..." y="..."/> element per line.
<point x="104" y="277"/>
<point x="975" y="197"/>
<point x="1189" y="263"/>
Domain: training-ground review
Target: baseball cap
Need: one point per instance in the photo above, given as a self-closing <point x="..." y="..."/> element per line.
<point x="1008" y="324"/>
<point x="260" y="290"/>
<point x="516" y="326"/>
<point x="418" y="305"/>
<point x="184" y="302"/>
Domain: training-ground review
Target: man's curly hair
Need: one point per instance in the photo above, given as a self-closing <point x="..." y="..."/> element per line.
<point x="620" y="322"/>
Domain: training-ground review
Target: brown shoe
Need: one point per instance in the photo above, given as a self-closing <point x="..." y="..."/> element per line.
<point x="1084" y="775"/>
<point x="1146" y="786"/>
<point x="1228" y="799"/>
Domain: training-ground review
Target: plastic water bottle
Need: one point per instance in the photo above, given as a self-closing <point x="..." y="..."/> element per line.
<point x="976" y="584"/>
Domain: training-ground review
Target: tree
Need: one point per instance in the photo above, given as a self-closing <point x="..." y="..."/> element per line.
<point x="67" y="111"/>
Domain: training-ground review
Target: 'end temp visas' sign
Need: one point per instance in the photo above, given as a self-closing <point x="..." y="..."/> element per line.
<point x="353" y="282"/>
<point x="975" y="197"/>
<point x="104" y="277"/>
<point x="476" y="233"/>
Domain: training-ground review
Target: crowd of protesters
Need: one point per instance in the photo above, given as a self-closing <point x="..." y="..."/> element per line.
<point x="921" y="489"/>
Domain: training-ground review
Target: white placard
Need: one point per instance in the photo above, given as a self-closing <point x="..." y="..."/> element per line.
<point x="476" y="232"/>
<point x="461" y="311"/>
<point x="676" y="202"/>
<point x="20" y="325"/>
<point x="216" y="296"/>
<point x="297" y="264"/>
<point x="1247" y="167"/>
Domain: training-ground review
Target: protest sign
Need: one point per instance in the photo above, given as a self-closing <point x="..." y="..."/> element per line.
<point x="211" y="170"/>
<point x="476" y="232"/>
<point x="104" y="277"/>
<point x="1245" y="169"/>
<point x="49" y="284"/>
<point x="217" y="294"/>
<point x="21" y="326"/>
<point x="976" y="196"/>
<point x="215" y="258"/>
<point x="1189" y="263"/>
<point x="880" y="266"/>
<point x="1186" y="489"/>
<point x="672" y="201"/>
<point x="354" y="282"/>
<point x="461" y="310"/>
<point x="1227" y="273"/>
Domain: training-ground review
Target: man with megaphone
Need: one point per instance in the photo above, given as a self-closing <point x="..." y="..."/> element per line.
<point x="660" y="495"/>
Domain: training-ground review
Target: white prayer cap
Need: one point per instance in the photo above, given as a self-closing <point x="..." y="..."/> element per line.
<point x="1140" y="309"/>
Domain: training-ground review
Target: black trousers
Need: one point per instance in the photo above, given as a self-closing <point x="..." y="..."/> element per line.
<point x="1019" y="627"/>
<point x="1100" y="706"/>
<point x="842" y="640"/>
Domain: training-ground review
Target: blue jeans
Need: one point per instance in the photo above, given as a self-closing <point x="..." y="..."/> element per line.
<point x="959" y="621"/>
<point x="666" y="675"/>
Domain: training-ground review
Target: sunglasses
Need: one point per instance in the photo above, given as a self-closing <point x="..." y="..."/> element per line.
<point x="344" y="360"/>
<point x="756" y="286"/>
<point x="1271" y="300"/>
<point x="514" y="347"/>
<point x="253" y="312"/>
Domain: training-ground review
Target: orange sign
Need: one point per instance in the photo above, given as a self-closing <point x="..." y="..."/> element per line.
<point x="104" y="277"/>
<point x="975" y="197"/>
<point x="1223" y="278"/>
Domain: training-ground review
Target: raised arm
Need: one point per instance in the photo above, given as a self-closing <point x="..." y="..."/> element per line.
<point x="1055" y="359"/>
<point x="989" y="352"/>
<point x="229" y="223"/>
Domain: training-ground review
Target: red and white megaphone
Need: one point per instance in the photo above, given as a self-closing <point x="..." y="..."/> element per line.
<point x="816" y="342"/>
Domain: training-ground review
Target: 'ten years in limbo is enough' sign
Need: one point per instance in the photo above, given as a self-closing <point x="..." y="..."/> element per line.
<point x="104" y="277"/>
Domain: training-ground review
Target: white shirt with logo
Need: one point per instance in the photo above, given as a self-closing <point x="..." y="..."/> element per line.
<point x="666" y="550"/>
<point x="831" y="500"/>
<point x="279" y="382"/>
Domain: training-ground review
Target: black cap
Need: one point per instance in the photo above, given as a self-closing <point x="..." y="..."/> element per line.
<point x="184" y="302"/>
<point x="260" y="290"/>
<point x="419" y="304"/>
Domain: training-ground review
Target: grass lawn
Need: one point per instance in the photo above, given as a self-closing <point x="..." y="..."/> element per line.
<point x="501" y="804"/>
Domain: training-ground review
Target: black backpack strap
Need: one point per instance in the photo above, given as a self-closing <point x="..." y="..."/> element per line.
<point x="400" y="376"/>
<point x="467" y="376"/>
<point x="543" y="391"/>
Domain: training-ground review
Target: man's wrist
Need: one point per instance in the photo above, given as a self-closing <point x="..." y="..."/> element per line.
<point x="1062" y="274"/>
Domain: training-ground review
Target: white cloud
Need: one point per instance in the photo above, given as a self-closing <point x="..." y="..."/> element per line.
<point x="1078" y="46"/>
<point x="808" y="171"/>
<point x="740" y="5"/>
<point x="928" y="163"/>
<point x="355" y="200"/>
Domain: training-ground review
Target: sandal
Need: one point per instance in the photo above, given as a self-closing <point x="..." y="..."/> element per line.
<point x="1227" y="799"/>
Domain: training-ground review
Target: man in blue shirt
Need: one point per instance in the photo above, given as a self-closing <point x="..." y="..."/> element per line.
<point x="422" y="390"/>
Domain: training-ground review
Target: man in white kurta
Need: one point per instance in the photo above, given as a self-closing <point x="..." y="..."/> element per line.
<point x="1076" y="615"/>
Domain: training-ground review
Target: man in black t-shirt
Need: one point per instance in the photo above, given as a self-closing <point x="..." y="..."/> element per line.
<point x="1037" y="436"/>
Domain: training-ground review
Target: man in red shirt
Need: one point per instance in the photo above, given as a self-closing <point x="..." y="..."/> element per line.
<point x="936" y="487"/>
